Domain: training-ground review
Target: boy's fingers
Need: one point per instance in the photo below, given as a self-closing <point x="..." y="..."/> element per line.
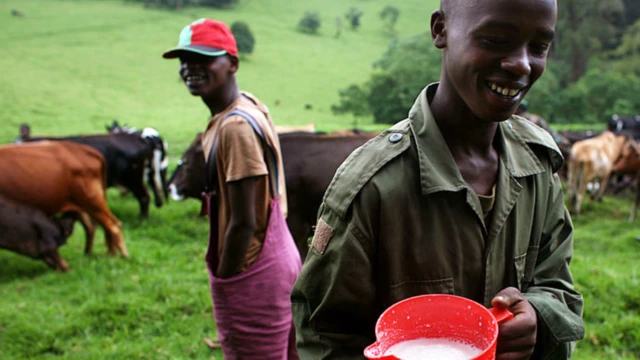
<point x="507" y="298"/>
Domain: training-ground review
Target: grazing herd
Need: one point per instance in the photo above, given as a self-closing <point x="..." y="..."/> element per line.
<point x="53" y="182"/>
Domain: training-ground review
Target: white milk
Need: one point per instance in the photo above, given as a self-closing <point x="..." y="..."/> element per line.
<point x="433" y="349"/>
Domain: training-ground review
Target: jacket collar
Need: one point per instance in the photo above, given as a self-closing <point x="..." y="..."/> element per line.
<point x="438" y="170"/>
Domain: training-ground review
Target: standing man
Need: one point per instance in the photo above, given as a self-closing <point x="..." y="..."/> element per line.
<point x="25" y="134"/>
<point x="460" y="198"/>
<point x="252" y="258"/>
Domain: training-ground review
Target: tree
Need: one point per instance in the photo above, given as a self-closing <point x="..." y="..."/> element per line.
<point x="624" y="59"/>
<point x="353" y="16"/>
<point x="399" y="75"/>
<point x="244" y="37"/>
<point x="583" y="28"/>
<point x="217" y="3"/>
<point x="353" y="100"/>
<point x="310" y="22"/>
<point x="390" y="16"/>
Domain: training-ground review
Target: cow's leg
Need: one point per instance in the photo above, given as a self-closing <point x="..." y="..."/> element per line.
<point x="583" y="180"/>
<point x="151" y="180"/>
<point x="113" y="231"/>
<point x="139" y="190"/>
<point x="603" y="187"/>
<point x="90" y="231"/>
<point x="94" y="202"/>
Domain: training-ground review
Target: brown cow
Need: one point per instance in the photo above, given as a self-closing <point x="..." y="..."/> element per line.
<point x="57" y="177"/>
<point x="589" y="160"/>
<point x="310" y="161"/>
<point x="28" y="231"/>
<point x="629" y="164"/>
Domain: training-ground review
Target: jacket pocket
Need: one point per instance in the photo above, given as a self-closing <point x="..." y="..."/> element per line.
<point x="519" y="262"/>
<point x="408" y="289"/>
<point x="524" y="266"/>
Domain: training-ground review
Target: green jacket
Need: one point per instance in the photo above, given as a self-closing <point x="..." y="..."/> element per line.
<point x="398" y="220"/>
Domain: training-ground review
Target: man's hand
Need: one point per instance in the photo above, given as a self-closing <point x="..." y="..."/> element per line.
<point x="517" y="337"/>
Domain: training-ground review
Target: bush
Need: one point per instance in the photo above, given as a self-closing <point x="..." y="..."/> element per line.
<point x="310" y="22"/>
<point x="390" y="16"/>
<point x="244" y="37"/>
<point x="353" y="16"/>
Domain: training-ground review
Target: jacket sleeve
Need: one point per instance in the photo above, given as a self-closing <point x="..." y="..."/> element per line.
<point x="558" y="305"/>
<point x="333" y="299"/>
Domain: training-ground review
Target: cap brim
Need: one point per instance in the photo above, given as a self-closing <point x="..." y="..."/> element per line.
<point x="198" y="49"/>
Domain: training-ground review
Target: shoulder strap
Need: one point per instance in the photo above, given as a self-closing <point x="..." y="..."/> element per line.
<point x="211" y="168"/>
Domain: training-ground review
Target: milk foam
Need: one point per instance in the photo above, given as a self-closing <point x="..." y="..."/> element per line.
<point x="433" y="349"/>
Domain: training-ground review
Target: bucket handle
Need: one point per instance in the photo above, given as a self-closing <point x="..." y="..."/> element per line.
<point x="501" y="315"/>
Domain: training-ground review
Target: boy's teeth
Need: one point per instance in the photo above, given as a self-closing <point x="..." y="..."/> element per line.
<point x="503" y="90"/>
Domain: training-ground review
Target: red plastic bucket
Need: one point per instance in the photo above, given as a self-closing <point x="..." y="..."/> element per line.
<point x="437" y="316"/>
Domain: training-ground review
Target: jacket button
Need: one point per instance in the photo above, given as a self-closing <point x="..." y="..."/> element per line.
<point x="394" y="138"/>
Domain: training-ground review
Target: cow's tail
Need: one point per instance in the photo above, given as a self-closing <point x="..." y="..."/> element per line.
<point x="157" y="166"/>
<point x="159" y="154"/>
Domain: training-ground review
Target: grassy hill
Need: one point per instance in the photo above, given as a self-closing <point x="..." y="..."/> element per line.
<point x="72" y="66"/>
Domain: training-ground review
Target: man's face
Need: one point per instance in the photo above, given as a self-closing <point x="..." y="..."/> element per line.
<point x="494" y="50"/>
<point x="205" y="75"/>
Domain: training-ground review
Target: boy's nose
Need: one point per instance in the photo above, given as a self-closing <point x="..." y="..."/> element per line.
<point x="517" y="63"/>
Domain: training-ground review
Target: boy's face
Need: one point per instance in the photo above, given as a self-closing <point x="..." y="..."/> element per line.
<point x="494" y="50"/>
<point x="206" y="75"/>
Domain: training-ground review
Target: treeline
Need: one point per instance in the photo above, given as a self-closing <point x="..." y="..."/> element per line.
<point x="593" y="70"/>
<point x="179" y="4"/>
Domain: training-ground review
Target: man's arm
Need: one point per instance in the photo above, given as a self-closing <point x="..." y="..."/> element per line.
<point x="334" y="306"/>
<point x="242" y="225"/>
<point x="558" y="305"/>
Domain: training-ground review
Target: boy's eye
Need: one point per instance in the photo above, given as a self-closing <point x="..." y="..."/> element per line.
<point x="539" y="49"/>
<point x="495" y="41"/>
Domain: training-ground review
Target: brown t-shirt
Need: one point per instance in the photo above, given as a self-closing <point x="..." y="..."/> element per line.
<point x="240" y="156"/>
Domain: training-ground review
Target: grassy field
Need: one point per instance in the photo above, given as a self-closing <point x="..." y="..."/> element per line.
<point x="72" y="66"/>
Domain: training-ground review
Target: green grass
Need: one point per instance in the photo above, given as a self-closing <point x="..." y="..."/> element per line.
<point x="73" y="66"/>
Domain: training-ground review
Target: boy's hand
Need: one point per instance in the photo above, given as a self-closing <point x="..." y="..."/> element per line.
<point x="517" y="337"/>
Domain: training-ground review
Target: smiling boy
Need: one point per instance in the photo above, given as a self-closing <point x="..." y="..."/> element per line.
<point x="252" y="259"/>
<point x="460" y="198"/>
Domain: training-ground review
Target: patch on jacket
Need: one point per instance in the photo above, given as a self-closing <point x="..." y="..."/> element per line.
<point x="322" y="236"/>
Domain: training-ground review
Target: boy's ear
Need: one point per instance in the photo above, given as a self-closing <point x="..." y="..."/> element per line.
<point x="438" y="31"/>
<point x="235" y="63"/>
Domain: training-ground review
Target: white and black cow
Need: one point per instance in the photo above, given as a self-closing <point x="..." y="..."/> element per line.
<point x="157" y="167"/>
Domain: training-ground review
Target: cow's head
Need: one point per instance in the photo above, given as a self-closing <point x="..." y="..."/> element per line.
<point x="187" y="180"/>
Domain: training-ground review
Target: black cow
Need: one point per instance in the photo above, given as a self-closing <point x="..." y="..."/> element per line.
<point x="310" y="161"/>
<point x="28" y="231"/>
<point x="127" y="159"/>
